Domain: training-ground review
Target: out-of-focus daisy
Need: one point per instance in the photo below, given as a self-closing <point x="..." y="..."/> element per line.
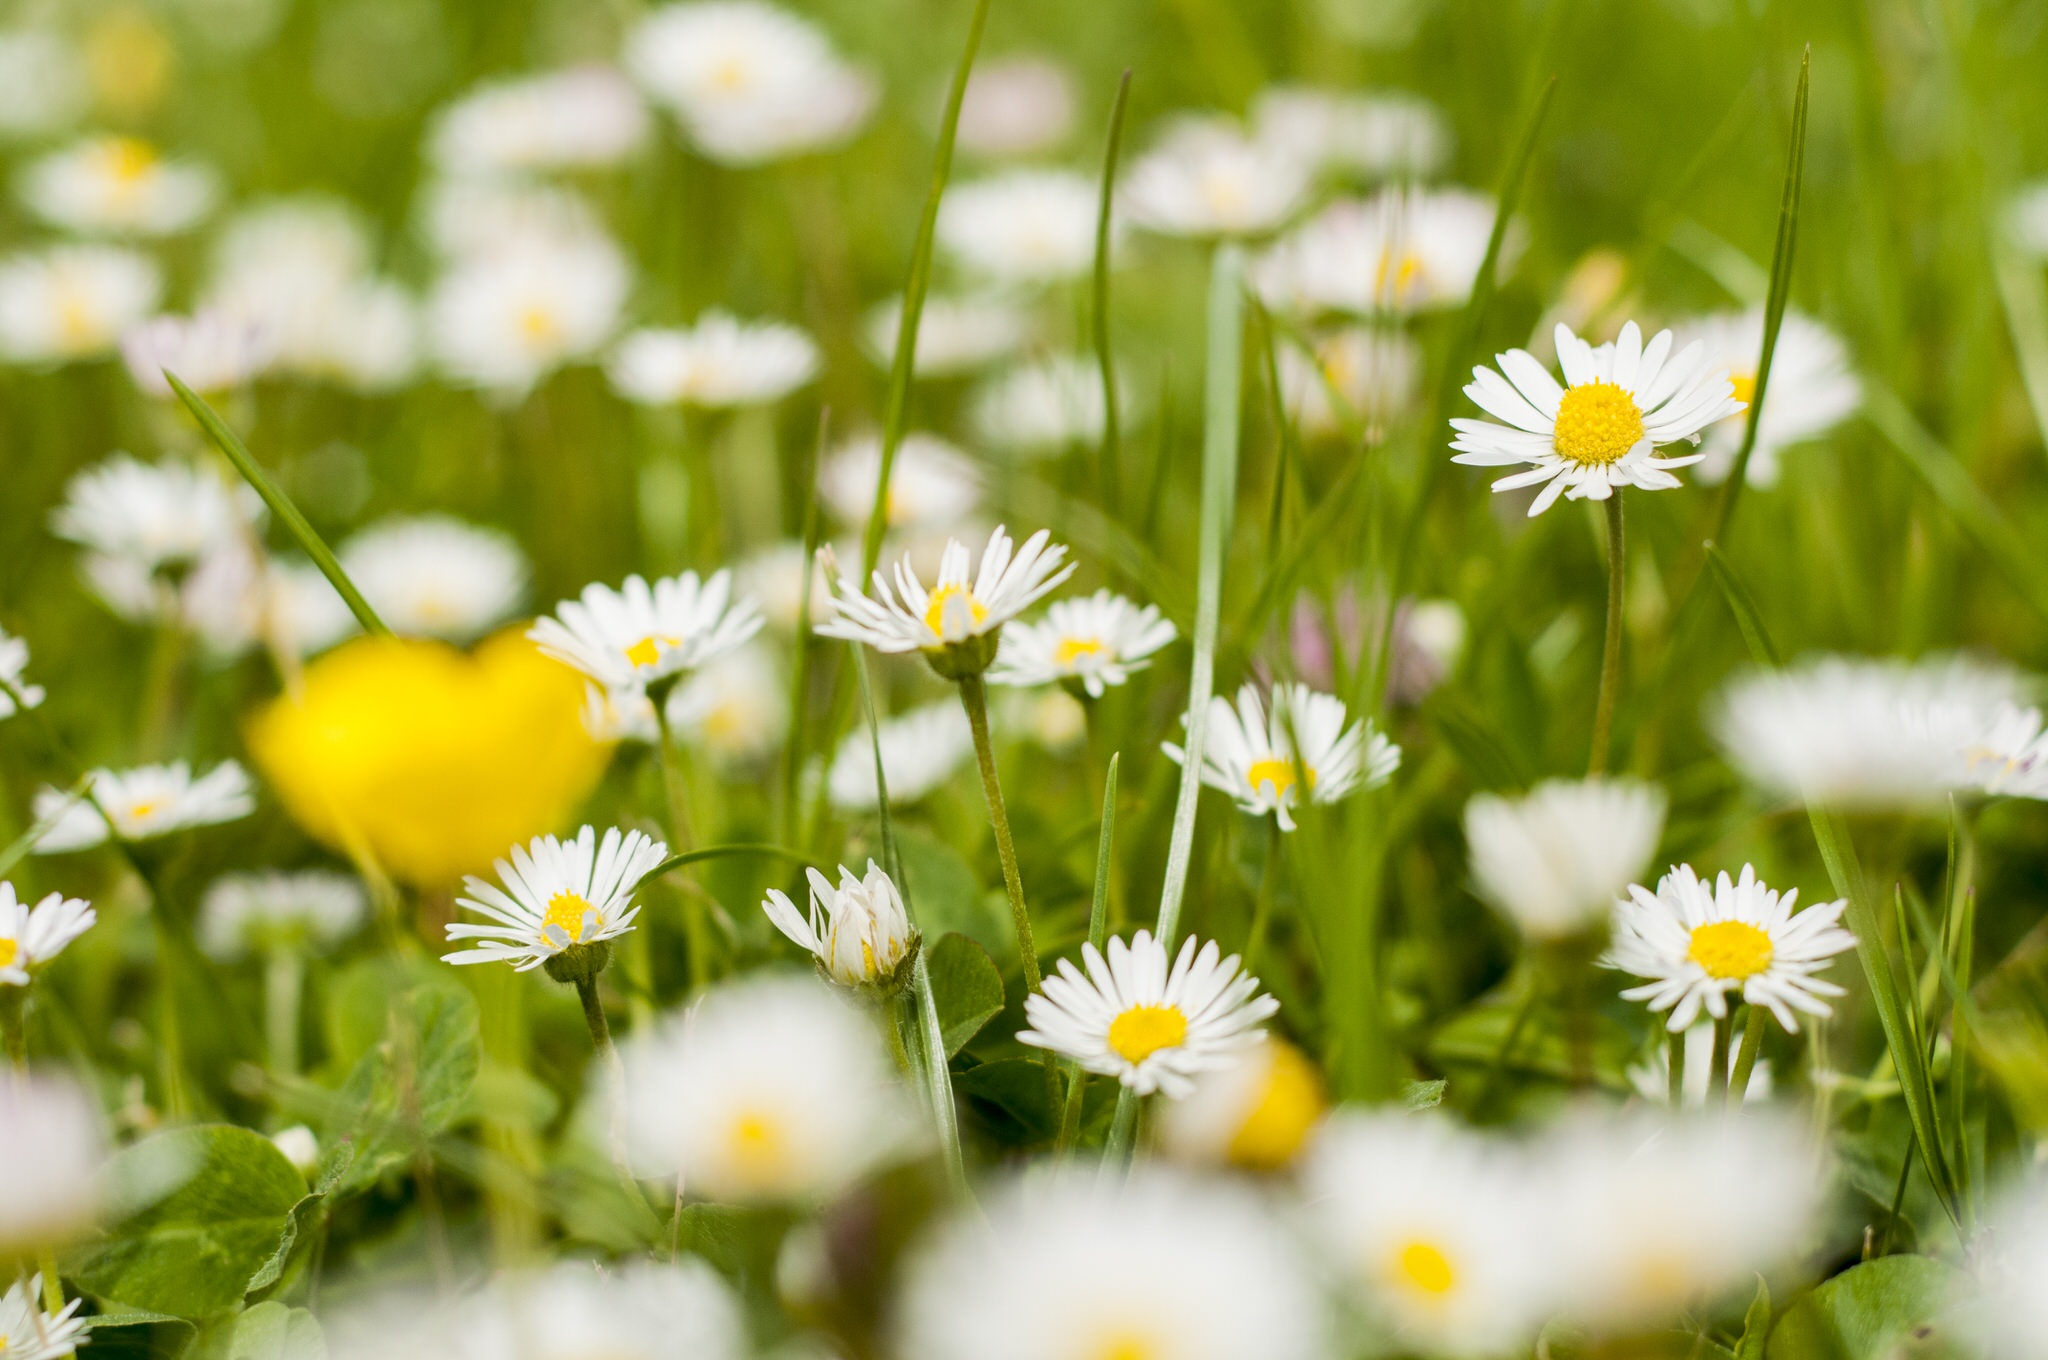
<point x="1812" y="389"/>
<point x="735" y="706"/>
<point x="467" y="217"/>
<point x="1651" y="1078"/>
<point x="1163" y="1267"/>
<point x="300" y="611"/>
<point x="15" y="690"/>
<point x="586" y="116"/>
<point x="44" y="87"/>
<point x="1259" y="758"/>
<point x="640" y="635"/>
<point x="1555" y="860"/>
<point x="1433" y="1229"/>
<point x="50" y="1124"/>
<point x="1043" y="407"/>
<point x="774" y="577"/>
<point x="434" y="576"/>
<point x="1016" y="106"/>
<point x="1151" y="1028"/>
<point x="2009" y="760"/>
<point x="1093" y="643"/>
<point x="1205" y="178"/>
<point x="1359" y="375"/>
<point x="751" y="82"/>
<point x="1697" y="943"/>
<point x="1053" y="718"/>
<point x="1256" y="1113"/>
<point x="505" y="319"/>
<point x="1026" y="226"/>
<point x="73" y="301"/>
<point x="32" y="1333"/>
<point x="158" y="515"/>
<point x="1370" y="134"/>
<point x="1599" y="431"/>
<point x="258" y="913"/>
<point x="2013" y="1322"/>
<point x="558" y="895"/>
<point x="117" y="186"/>
<point x="932" y="484"/>
<point x="920" y="751"/>
<point x="769" y="1089"/>
<point x="210" y="352"/>
<point x="144" y="802"/>
<point x="31" y="936"/>
<point x="954" y="334"/>
<point x="636" y="1310"/>
<point x="1400" y="251"/>
<point x="858" y="932"/>
<point x="1429" y="638"/>
<point x="721" y="361"/>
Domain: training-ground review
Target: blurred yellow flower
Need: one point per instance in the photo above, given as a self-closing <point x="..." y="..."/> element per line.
<point x="430" y="761"/>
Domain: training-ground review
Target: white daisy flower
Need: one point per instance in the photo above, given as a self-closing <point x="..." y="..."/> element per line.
<point x="466" y="218"/>
<point x="118" y="186"/>
<point x="73" y="301"/>
<point x="1698" y="943"/>
<point x="434" y="576"/>
<point x="1380" y="135"/>
<point x="2010" y="760"/>
<point x="1152" y="1029"/>
<point x="1555" y="860"/>
<point x="2012" y="1258"/>
<point x="299" y="608"/>
<point x="51" y="1124"/>
<point x="1400" y="251"/>
<point x="1433" y="1229"/>
<point x="1053" y="718"/>
<point x="558" y="895"/>
<point x="955" y="335"/>
<point x="1207" y="179"/>
<point x="749" y="81"/>
<point x="1094" y="642"/>
<point x="210" y="352"/>
<point x="1357" y="375"/>
<point x="639" y="634"/>
<point x="1813" y="388"/>
<point x="1258" y="758"/>
<point x="144" y="802"/>
<point x="301" y="1147"/>
<point x="932" y="484"/>
<point x="505" y="319"/>
<point x="1016" y="106"/>
<point x="260" y="913"/>
<point x="1044" y="407"/>
<point x="1257" y="1113"/>
<point x="858" y="932"/>
<point x="1600" y="431"/>
<point x="719" y="362"/>
<point x="157" y="515"/>
<point x="1651" y="1078"/>
<point x="565" y="120"/>
<point x="15" y="690"/>
<point x="33" y="1334"/>
<point x="1022" y="227"/>
<point x="769" y="1089"/>
<point x="1162" y="1267"/>
<point x="920" y="751"/>
<point x="44" y="84"/>
<point x="30" y="938"/>
<point x="735" y="706"/>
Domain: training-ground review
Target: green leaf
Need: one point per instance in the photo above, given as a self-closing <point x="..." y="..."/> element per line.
<point x="1014" y="1099"/>
<point x="1756" y="1324"/>
<point x="1423" y="1095"/>
<point x="967" y="988"/>
<point x="136" y="1334"/>
<point x="1871" y="1311"/>
<point x="413" y="1085"/>
<point x="337" y="1164"/>
<point x="949" y="896"/>
<point x="1743" y="605"/>
<point x="271" y="1331"/>
<point x="192" y="1253"/>
<point x="1111" y="488"/>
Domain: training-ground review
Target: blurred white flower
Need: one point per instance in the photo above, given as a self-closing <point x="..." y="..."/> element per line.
<point x="1044" y="407"/>
<point x="13" y="676"/>
<point x="1357" y="376"/>
<point x="144" y="802"/>
<point x="1555" y="861"/>
<point x="858" y="931"/>
<point x="2013" y="1260"/>
<point x="1206" y="179"/>
<point x="735" y="706"/>
<point x="955" y="335"/>
<point x="44" y="87"/>
<point x="505" y="319"/>
<point x="156" y="515"/>
<point x="1162" y="1267"/>
<point x="1813" y="389"/>
<point x="51" y="1124"/>
<point x="31" y="936"/>
<point x="963" y="606"/>
<point x="259" y="913"/>
<point x="435" y="576"/>
<point x="1429" y="639"/>
<point x="1094" y="642"/>
<point x="1380" y="135"/>
<point x="565" y="120"/>
<point x="1259" y="757"/>
<point x="639" y="634"/>
<point x="1022" y="227"/>
<point x="300" y="1146"/>
<point x="775" y="577"/>
<point x="1651" y="1078"/>
<point x="719" y="362"/>
<point x="769" y="1089"/>
<point x="1257" y="1113"/>
<point x="920" y="750"/>
<point x="1400" y="251"/>
<point x="465" y="217"/>
<point x="558" y="895"/>
<point x="1016" y="106"/>
<point x="932" y="484"/>
<point x="73" y="301"/>
<point x="211" y="352"/>
<point x="299" y="608"/>
<point x="117" y="186"/>
<point x="32" y="1333"/>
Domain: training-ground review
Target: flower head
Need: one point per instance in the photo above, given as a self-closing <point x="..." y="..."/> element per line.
<point x="1257" y="1113"/>
<point x="2014" y="1321"/>
<point x="920" y="750"/>
<point x="957" y="622"/>
<point x="1207" y="179"/>
<point x="1812" y="388"/>
<point x="932" y="485"/>
<point x="118" y="186"/>
<point x="719" y="362"/>
<point x="735" y="706"/>
<point x="210" y="352"/>
<point x="51" y="1125"/>
<point x="640" y="635"/>
<point x="1380" y="134"/>
<point x="1261" y="759"/>
<point x="955" y="335"/>
<point x="1599" y="431"/>
<point x="260" y="912"/>
<point x="1022" y="227"/>
<point x="15" y="690"/>
<point x="143" y="803"/>
<point x="30" y="938"/>
<point x="1093" y="642"/>
<point x="573" y="119"/>
<point x="33" y="1334"/>
<point x="1016" y="106"/>
<point x="156" y="515"/>
<point x="1353" y="376"/>
<point x="1553" y="862"/>
<point x="1400" y="251"/>
<point x="505" y="318"/>
<point x="434" y="576"/>
<point x="73" y="301"/>
<point x="1152" y="1028"/>
<point x="558" y="896"/>
<point x="859" y="932"/>
<point x="1043" y="407"/>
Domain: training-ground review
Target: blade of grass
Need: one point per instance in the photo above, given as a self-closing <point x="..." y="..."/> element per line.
<point x="1098" y="932"/>
<point x="26" y="841"/>
<point x="800" y="667"/>
<point x="2025" y="300"/>
<point x="1112" y="436"/>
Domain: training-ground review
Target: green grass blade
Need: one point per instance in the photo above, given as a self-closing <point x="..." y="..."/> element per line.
<point x="1098" y="932"/>
<point x="280" y="504"/>
<point x="1743" y="606"/>
<point x="1112" y="438"/>
<point x="2025" y="300"/>
<point x="26" y="841"/>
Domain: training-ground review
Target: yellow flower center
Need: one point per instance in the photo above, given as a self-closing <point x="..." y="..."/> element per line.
<point x="566" y="910"/>
<point x="141" y="810"/>
<point x="1290" y="1103"/>
<point x="758" y="1147"/>
<point x="1423" y="1265"/>
<point x="730" y="75"/>
<point x="647" y="651"/>
<point x="1744" y="385"/>
<point x="1142" y="1031"/>
<point x="1279" y="773"/>
<point x="1402" y="270"/>
<point x="935" y="607"/>
<point x="1073" y="649"/>
<point x="1597" y="422"/>
<point x="10" y="950"/>
<point x="1126" y="1346"/>
<point x="1730" y="949"/>
<point x="78" y="325"/>
<point x="538" y="325"/>
<point x="129" y="159"/>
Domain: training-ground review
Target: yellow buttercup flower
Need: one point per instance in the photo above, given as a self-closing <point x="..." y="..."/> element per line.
<point x="429" y="760"/>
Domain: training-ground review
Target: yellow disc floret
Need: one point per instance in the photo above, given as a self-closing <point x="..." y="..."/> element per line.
<point x="1281" y="774"/>
<point x="1597" y="422"/>
<point x="1072" y="649"/>
<point x="1744" y="385"/>
<point x="1142" y="1031"/>
<point x="935" y="608"/>
<point x="1732" y="950"/>
<point x="1423" y="1266"/>
<point x="10" y="950"/>
<point x="566" y="909"/>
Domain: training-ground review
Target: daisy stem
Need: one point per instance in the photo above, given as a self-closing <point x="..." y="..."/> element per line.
<point x="1745" y="1059"/>
<point x="1717" y="1073"/>
<point x="14" y="1022"/>
<point x="283" y="975"/>
<point x="53" y="1288"/>
<point x="974" y="698"/>
<point x="1674" y="1087"/>
<point x="1610" y="656"/>
<point x="695" y="929"/>
<point x="1098" y="932"/>
<point x="1262" y="908"/>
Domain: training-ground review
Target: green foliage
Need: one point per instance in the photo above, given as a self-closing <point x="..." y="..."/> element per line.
<point x="410" y="1086"/>
<point x="1878" y="1310"/>
<point x="967" y="987"/>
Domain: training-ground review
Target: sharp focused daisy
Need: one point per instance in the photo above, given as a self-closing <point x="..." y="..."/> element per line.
<point x="858" y="932"/>
<point x="920" y="750"/>
<point x="955" y="335"/>
<point x="587" y="116"/>
<point x="434" y="576"/>
<point x="73" y="301"/>
<point x="1151" y="1028"/>
<point x="1043" y="407"/>
<point x="1600" y="430"/>
<point x="117" y="186"/>
<point x="558" y="895"/>
<point x="1554" y="862"/>
<point x="1027" y="226"/>
<point x="1262" y="759"/>
<point x="1207" y="179"/>
<point x="1401" y="251"/>
<point x="210" y="352"/>
<point x="504" y="319"/>
<point x="258" y="913"/>
<point x="145" y="802"/>
<point x="1093" y="643"/>
<point x="1256" y="1113"/>
<point x="157" y="515"/>
<point x="33" y="1334"/>
<point x="1697" y="943"/>
<point x="1812" y="388"/>
<point x="721" y="361"/>
<point x="31" y="937"/>
<point x="932" y="485"/>
<point x="641" y="635"/>
<point x="15" y="690"/>
<point x="50" y="1124"/>
<point x="1370" y="134"/>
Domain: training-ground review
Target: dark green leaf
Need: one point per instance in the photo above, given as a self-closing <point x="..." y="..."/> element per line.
<point x="1013" y="1097"/>
<point x="947" y="896"/>
<point x="967" y="987"/>
<point x="413" y="1085"/>
<point x="1871" y="1311"/>
<point x="1756" y="1324"/>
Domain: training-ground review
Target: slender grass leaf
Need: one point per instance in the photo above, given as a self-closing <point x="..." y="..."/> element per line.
<point x="1098" y="933"/>
<point x="1743" y="606"/>
<point x="1112" y="436"/>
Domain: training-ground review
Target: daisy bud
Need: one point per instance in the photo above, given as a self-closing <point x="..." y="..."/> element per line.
<point x="858" y="932"/>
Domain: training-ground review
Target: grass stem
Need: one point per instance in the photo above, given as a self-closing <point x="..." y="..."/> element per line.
<point x="1610" y="654"/>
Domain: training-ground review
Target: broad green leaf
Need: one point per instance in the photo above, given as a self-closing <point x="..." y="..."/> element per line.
<point x="948" y="896"/>
<point x="271" y="1331"/>
<point x="1013" y="1098"/>
<point x="1423" y="1095"/>
<point x="136" y="1334"/>
<point x="967" y="987"/>
<point x="1871" y="1311"/>
<point x="360" y="1002"/>
<point x="337" y="1164"/>
<point x="413" y="1085"/>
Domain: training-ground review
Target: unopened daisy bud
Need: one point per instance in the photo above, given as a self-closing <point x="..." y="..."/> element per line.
<point x="859" y="932"/>
<point x="30" y="938"/>
<point x="1257" y="1113"/>
<point x="1554" y="862"/>
<point x="563" y="901"/>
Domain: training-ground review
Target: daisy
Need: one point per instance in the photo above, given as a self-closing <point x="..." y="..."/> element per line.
<point x="1257" y="1113"/>
<point x="2013" y="1323"/>
<point x="769" y="1089"/>
<point x="1093" y="643"/>
<point x="52" y="1125"/>
<point x="434" y="576"/>
<point x="859" y="932"/>
<point x="505" y="319"/>
<point x="1651" y="1078"/>
<point x="719" y="362"/>
<point x="932" y="484"/>
<point x="118" y="186"/>
<point x="955" y="335"/>
<point x="640" y="635"/>
<point x="210" y="352"/>
<point x="1162" y="1267"/>
<point x="1598" y="432"/>
<point x="1023" y="227"/>
<point x="1401" y="251"/>
<point x="558" y="896"/>
<point x="16" y="692"/>
<point x="1358" y="375"/>
<point x="259" y="913"/>
<point x="30" y="938"/>
<point x="1555" y="860"/>
<point x="156" y="515"/>
<point x="467" y="218"/>
<point x="33" y="1334"/>
<point x="1429" y="639"/>
<point x="1053" y="718"/>
<point x="1259" y="758"/>
<point x="635" y="1310"/>
<point x="73" y="301"/>
<point x="1698" y="943"/>
<point x="1152" y="1029"/>
<point x="1043" y="407"/>
<point x="144" y="802"/>
<point x="299" y="610"/>
<point x="735" y="706"/>
<point x="1812" y="390"/>
<point x="1016" y="106"/>
<point x="2009" y="760"/>
<point x="585" y="117"/>
<point x="44" y="84"/>
<point x="1207" y="179"/>
<point x="920" y="751"/>
<point x="774" y="576"/>
<point x="1378" y="135"/>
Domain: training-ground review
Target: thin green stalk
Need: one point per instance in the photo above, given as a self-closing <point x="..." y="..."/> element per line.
<point x="53" y="1288"/>
<point x="1610" y="655"/>
<point x="800" y="669"/>
<point x="283" y="979"/>
<point x="1112" y="480"/>
<point x="1717" y="1073"/>
<point x="696" y="929"/>
<point x="1745" y="1058"/>
<point x="1098" y="931"/>
<point x="160" y="685"/>
<point x="1496" y="1070"/>
<point x="1262" y="906"/>
<point x="974" y="698"/>
<point x="615" y="1073"/>
<point x="1674" y="1084"/>
<point x="170" y="1037"/>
